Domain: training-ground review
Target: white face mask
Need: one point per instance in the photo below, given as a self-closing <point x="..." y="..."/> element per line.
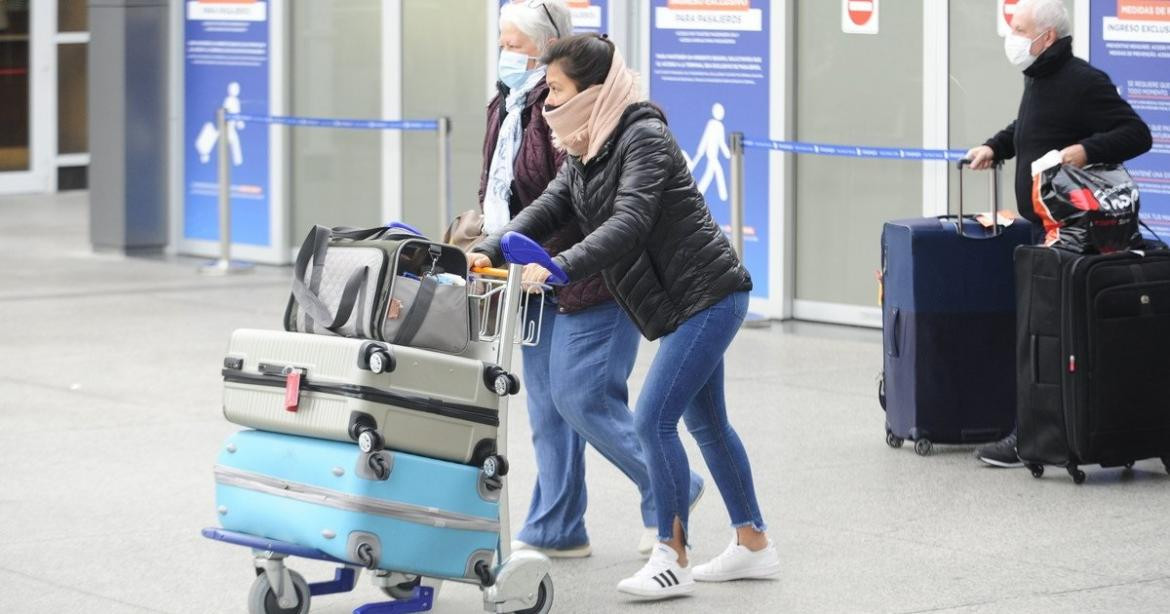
<point x="1019" y="49"/>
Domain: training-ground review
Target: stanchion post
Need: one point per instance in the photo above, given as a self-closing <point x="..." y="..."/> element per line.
<point x="752" y="320"/>
<point x="737" y="192"/>
<point x="224" y="266"/>
<point x="444" y="204"/>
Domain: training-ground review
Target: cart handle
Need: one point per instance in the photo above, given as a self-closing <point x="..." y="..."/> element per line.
<point x="519" y="249"/>
<point x="490" y="272"/>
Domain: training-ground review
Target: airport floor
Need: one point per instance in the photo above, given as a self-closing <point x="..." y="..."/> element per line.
<point x="110" y="422"/>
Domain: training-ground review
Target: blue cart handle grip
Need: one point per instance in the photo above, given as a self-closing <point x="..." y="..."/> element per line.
<point x="519" y="249"/>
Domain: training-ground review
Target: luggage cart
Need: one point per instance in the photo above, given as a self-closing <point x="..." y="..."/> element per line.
<point x="519" y="582"/>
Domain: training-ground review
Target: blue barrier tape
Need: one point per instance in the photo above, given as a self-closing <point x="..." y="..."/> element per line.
<point x="407" y="125"/>
<point x="857" y="151"/>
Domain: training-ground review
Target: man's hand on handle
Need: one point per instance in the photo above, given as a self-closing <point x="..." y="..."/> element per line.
<point x="981" y="157"/>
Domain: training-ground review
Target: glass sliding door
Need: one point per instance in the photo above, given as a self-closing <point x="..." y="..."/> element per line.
<point x="22" y="52"/>
<point x="15" y="92"/>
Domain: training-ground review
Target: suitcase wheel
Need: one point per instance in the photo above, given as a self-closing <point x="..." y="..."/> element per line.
<point x="262" y="600"/>
<point x="379" y="465"/>
<point x="1078" y="476"/>
<point x="1166" y="464"/>
<point x="370" y="441"/>
<point x="366" y="556"/>
<point x="1129" y="465"/>
<point x="923" y="447"/>
<point x="1037" y="470"/>
<point x="377" y="359"/>
<point x="893" y="440"/>
<point x="501" y="382"/>
<point x="495" y="466"/>
<point x="483" y="571"/>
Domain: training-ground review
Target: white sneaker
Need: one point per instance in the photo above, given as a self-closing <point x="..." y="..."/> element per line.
<point x="738" y="563"/>
<point x="579" y="552"/>
<point x="650" y="534"/>
<point x="660" y="577"/>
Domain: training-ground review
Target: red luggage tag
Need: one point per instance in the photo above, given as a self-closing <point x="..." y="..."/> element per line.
<point x="292" y="390"/>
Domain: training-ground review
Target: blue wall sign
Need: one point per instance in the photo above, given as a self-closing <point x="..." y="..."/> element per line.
<point x="710" y="71"/>
<point x="226" y="64"/>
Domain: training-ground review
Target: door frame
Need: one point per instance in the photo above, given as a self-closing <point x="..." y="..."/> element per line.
<point x="40" y="176"/>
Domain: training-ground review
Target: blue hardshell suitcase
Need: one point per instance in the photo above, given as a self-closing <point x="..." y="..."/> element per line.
<point x="428" y="517"/>
<point x="948" y="322"/>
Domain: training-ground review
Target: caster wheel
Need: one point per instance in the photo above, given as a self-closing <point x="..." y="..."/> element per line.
<point x="544" y="598"/>
<point x="365" y="556"/>
<point x="261" y="599"/>
<point x="502" y="384"/>
<point x="495" y="466"/>
<point x="483" y="571"/>
<point x="370" y="441"/>
<point x="404" y="590"/>
<point x="1078" y="476"/>
<point x="1166" y="464"/>
<point x="379" y="361"/>
<point x="923" y="447"/>
<point x="379" y="467"/>
<point x="893" y="440"/>
<point x="1129" y="465"/>
<point x="1037" y="471"/>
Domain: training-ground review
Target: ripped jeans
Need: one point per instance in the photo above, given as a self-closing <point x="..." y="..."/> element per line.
<point x="686" y="381"/>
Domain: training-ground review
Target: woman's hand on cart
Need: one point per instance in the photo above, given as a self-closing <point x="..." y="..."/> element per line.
<point x="539" y="268"/>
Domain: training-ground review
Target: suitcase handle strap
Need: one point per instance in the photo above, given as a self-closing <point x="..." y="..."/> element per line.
<point x="315" y="246"/>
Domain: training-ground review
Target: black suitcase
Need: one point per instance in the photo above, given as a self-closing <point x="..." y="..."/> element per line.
<point x="1093" y="377"/>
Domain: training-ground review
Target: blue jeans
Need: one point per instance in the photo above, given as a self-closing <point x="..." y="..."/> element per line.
<point x="576" y="385"/>
<point x="686" y="381"/>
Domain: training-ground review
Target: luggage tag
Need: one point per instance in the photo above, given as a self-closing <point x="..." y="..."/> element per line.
<point x="292" y="389"/>
<point x="394" y="311"/>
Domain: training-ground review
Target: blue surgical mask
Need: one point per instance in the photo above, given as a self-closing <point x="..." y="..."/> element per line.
<point x="512" y="68"/>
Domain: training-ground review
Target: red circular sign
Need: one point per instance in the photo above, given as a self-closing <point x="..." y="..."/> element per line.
<point x="860" y="11"/>
<point x="1009" y="10"/>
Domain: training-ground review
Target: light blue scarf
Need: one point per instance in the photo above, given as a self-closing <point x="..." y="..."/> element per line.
<point x="496" y="213"/>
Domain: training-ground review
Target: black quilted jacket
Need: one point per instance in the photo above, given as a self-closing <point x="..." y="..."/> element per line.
<point x="647" y="228"/>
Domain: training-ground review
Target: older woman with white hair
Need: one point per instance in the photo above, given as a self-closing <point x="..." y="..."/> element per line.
<point x="576" y="377"/>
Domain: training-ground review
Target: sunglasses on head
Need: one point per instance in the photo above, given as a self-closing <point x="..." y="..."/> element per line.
<point x="535" y="3"/>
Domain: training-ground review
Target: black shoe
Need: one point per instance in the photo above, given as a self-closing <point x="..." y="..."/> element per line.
<point x="1001" y="453"/>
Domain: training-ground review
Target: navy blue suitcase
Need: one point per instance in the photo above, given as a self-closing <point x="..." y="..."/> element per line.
<point x="948" y="328"/>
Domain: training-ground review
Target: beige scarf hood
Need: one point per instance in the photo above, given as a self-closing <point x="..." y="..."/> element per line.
<point x="582" y="125"/>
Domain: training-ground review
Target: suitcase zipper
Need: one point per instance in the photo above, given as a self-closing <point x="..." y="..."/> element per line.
<point x="1069" y="392"/>
<point x="466" y="413"/>
<point x="317" y="495"/>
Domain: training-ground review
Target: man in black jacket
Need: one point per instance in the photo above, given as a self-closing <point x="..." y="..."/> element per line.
<point x="1067" y="106"/>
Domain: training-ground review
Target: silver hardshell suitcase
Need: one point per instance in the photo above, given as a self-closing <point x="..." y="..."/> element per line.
<point x="377" y="394"/>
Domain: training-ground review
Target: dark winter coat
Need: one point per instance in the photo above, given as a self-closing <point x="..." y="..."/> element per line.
<point x="536" y="164"/>
<point x="1067" y="101"/>
<point x="647" y="228"/>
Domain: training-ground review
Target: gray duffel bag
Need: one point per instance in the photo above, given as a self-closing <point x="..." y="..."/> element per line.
<point x="380" y="283"/>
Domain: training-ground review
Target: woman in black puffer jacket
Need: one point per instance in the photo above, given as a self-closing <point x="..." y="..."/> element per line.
<point x="650" y="234"/>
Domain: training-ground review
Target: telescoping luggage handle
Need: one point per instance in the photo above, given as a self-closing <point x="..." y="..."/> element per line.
<point x="996" y="168"/>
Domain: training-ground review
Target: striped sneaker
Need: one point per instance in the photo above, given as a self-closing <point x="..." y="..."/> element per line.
<point x="661" y="577"/>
